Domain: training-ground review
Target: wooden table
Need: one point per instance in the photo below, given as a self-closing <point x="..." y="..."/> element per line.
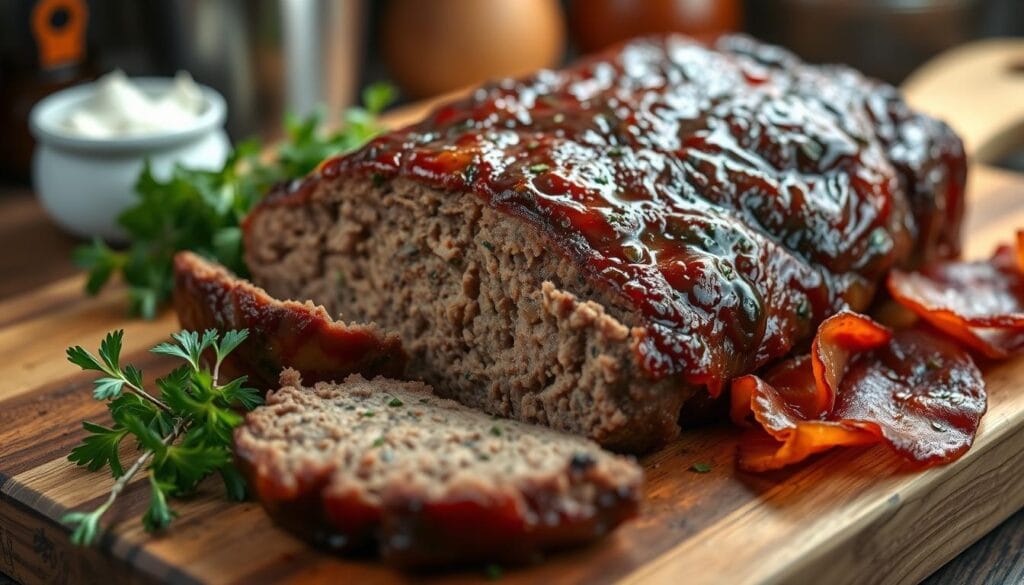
<point x="34" y="252"/>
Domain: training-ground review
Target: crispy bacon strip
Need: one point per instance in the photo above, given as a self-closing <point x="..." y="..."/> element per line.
<point x="917" y="392"/>
<point x="979" y="303"/>
<point x="281" y="333"/>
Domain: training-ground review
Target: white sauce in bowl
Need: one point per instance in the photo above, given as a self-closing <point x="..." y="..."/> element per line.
<point x="119" y="108"/>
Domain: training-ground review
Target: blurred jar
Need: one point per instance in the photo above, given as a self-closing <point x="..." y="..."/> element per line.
<point x="265" y="56"/>
<point x="597" y="24"/>
<point x="442" y="45"/>
<point x="44" y="47"/>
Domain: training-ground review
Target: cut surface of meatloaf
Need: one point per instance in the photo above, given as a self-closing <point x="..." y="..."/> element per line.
<point x="281" y="333"/>
<point x="386" y="465"/>
<point x="592" y="248"/>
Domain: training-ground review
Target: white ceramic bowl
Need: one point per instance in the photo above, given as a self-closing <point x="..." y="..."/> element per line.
<point x="84" y="183"/>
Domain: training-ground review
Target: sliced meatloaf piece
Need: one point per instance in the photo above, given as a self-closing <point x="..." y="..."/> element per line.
<point x="281" y="333"/>
<point x="384" y="464"/>
<point x="598" y="248"/>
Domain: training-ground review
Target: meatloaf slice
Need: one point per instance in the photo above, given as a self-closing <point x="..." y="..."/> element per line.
<point x="281" y="333"/>
<point x="387" y="465"/>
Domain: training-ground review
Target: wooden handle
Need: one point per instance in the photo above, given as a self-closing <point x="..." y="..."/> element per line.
<point x="978" y="88"/>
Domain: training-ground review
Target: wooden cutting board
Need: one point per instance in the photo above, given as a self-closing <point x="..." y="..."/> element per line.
<point x="850" y="516"/>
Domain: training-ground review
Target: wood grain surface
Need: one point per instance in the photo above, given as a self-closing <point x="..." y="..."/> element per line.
<point x="845" y="517"/>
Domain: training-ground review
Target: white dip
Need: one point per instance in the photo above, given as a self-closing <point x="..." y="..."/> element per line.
<point x="119" y="108"/>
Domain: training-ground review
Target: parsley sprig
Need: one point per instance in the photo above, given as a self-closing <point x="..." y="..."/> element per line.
<point x="182" y="433"/>
<point x="201" y="210"/>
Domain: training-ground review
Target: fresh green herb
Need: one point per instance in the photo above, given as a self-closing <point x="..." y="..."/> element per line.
<point x="368" y="413"/>
<point x="493" y="572"/>
<point x="395" y="403"/>
<point x="701" y="468"/>
<point x="539" y="168"/>
<point x="201" y="210"/>
<point x="496" y="431"/>
<point x="488" y="245"/>
<point x="183" y="434"/>
<point x="378" y="442"/>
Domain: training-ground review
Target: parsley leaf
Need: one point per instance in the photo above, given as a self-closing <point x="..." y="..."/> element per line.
<point x="190" y="346"/>
<point x="234" y="483"/>
<point x="110" y="350"/>
<point x="184" y="466"/>
<point x="158" y="515"/>
<point x="234" y="393"/>
<point x="100" y="448"/>
<point x="230" y="341"/>
<point x="107" y="388"/>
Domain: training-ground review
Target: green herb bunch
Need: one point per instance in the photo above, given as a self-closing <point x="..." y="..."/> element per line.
<point x="201" y="210"/>
<point x="182" y="433"/>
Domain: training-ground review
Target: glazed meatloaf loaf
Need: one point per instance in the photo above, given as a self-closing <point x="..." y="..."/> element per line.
<point x="386" y="465"/>
<point x="599" y="248"/>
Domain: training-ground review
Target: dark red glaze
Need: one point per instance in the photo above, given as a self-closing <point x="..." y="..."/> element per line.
<point x="979" y="303"/>
<point x="913" y="389"/>
<point x="281" y="333"/>
<point x="733" y="195"/>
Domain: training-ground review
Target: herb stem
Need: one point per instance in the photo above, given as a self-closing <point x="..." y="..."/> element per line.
<point x="123" y="481"/>
<point x="216" y="374"/>
<point x="146" y="395"/>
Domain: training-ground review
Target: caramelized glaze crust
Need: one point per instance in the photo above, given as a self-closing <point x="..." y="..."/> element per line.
<point x="732" y="195"/>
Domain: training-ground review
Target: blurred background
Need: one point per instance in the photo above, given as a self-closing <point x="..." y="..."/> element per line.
<point x="271" y="56"/>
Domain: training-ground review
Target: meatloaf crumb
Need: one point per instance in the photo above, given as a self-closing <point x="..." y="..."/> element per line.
<point x="385" y="464"/>
<point x="483" y="308"/>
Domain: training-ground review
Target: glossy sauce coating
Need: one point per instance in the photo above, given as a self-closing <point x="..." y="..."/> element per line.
<point x="731" y="197"/>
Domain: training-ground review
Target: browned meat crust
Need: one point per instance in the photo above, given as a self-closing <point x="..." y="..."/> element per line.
<point x="281" y="333"/>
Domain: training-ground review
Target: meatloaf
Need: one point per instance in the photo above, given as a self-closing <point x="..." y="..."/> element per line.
<point x="281" y="333"/>
<point x="386" y="465"/>
<point x="600" y="248"/>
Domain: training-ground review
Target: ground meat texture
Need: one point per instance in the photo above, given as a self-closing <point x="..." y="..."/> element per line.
<point x="480" y="302"/>
<point x="281" y="333"/>
<point x="388" y="466"/>
<point x="591" y="248"/>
